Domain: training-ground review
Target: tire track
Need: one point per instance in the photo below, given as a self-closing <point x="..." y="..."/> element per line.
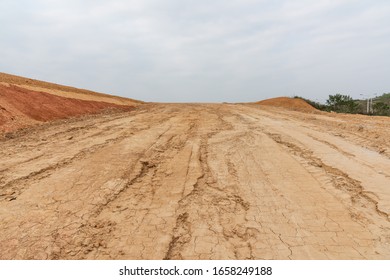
<point x="340" y="179"/>
<point x="191" y="181"/>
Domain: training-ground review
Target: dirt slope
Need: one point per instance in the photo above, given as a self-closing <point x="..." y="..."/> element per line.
<point x="197" y="181"/>
<point x="24" y="102"/>
<point x="64" y="91"/>
<point x="288" y="103"/>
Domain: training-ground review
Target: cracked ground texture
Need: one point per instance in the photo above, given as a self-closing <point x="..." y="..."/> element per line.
<point x="197" y="181"/>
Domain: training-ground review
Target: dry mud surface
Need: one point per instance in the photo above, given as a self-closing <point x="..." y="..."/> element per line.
<point x="198" y="181"/>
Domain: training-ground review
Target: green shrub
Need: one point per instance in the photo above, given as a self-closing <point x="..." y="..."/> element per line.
<point x="342" y="104"/>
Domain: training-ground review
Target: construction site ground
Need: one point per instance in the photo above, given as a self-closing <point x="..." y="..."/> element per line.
<point x="197" y="181"/>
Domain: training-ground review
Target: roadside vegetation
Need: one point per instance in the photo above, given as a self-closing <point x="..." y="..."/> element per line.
<point x="340" y="103"/>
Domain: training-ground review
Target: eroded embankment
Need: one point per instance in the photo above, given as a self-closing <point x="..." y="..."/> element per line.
<point x="20" y="107"/>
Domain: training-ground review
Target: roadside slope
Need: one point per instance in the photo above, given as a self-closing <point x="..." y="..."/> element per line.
<point x="25" y="102"/>
<point x="64" y="91"/>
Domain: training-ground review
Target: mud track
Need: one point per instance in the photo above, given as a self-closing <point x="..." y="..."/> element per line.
<point x="195" y="181"/>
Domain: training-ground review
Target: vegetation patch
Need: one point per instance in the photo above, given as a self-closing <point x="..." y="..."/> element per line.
<point x="340" y="103"/>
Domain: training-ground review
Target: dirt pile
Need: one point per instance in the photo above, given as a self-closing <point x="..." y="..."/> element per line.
<point x="288" y="103"/>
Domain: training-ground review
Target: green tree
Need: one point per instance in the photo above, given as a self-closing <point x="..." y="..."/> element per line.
<point x="342" y="104"/>
<point x="381" y="109"/>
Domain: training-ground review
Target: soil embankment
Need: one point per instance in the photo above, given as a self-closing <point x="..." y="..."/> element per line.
<point x="25" y="102"/>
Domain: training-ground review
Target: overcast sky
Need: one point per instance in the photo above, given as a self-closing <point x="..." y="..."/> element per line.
<point x="201" y="51"/>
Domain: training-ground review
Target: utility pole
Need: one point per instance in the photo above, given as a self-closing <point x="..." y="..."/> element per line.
<point x="370" y="108"/>
<point x="368" y="103"/>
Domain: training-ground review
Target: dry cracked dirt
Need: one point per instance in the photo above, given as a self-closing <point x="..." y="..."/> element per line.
<point x="197" y="181"/>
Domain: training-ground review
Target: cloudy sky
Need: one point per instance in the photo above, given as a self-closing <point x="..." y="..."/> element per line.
<point x="201" y="51"/>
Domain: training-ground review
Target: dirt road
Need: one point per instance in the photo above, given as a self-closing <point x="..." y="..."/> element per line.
<point x="200" y="181"/>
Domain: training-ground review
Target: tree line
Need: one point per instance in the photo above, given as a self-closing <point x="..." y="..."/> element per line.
<point x="341" y="103"/>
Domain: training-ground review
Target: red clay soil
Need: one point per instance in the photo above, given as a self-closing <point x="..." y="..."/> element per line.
<point x="289" y="103"/>
<point x="20" y="107"/>
<point x="17" y="80"/>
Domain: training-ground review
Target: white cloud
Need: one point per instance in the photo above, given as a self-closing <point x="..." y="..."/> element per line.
<point x="233" y="50"/>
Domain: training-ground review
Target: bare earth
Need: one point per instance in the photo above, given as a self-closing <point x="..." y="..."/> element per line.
<point x="198" y="181"/>
<point x="25" y="102"/>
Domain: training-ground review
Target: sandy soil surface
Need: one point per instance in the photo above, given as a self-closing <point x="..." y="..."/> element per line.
<point x="198" y="181"/>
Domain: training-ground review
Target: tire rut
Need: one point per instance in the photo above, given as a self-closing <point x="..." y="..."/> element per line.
<point x="223" y="202"/>
<point x="340" y="179"/>
<point x="190" y="181"/>
<point x="143" y="180"/>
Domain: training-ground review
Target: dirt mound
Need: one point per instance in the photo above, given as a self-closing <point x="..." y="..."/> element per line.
<point x="289" y="103"/>
<point x="20" y="107"/>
